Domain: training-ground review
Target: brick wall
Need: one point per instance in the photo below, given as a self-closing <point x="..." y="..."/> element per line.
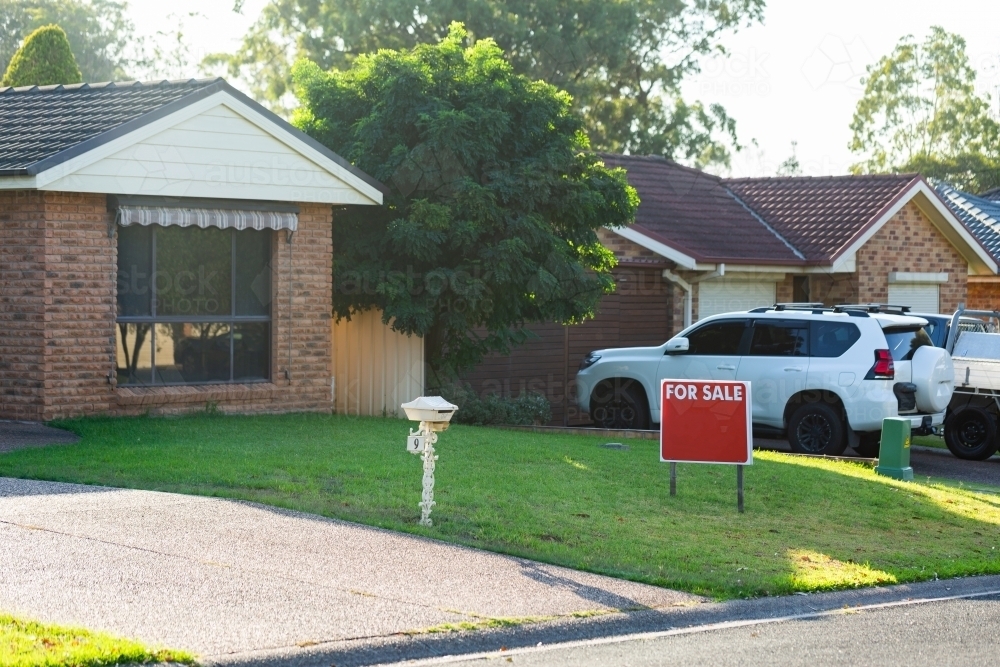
<point x="984" y="294"/>
<point x="835" y="288"/>
<point x="80" y="268"/>
<point x="910" y="243"/>
<point x="22" y="304"/>
<point x="57" y="304"/>
<point x="311" y="363"/>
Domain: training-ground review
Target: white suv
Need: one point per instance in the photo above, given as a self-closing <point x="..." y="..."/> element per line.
<point x="824" y="377"/>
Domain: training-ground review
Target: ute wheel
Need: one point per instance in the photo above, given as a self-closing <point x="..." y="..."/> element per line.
<point x="619" y="405"/>
<point x="971" y="434"/>
<point x="816" y="428"/>
<point x="868" y="444"/>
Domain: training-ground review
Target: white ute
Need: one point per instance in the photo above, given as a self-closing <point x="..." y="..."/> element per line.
<point x="825" y="377"/>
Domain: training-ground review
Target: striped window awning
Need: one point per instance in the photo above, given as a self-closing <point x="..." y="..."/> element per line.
<point x="206" y="217"/>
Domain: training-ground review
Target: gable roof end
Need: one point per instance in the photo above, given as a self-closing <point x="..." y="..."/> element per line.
<point x="48" y="126"/>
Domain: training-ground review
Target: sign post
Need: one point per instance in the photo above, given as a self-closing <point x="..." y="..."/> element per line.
<point x="706" y="421"/>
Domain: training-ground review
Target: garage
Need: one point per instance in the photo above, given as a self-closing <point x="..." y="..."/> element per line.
<point x="726" y="296"/>
<point x="920" y="297"/>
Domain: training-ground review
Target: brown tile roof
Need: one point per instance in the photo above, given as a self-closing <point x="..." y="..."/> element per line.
<point x="821" y="216"/>
<point x="695" y="213"/>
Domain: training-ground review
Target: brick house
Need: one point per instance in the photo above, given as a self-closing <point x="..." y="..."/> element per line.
<point x="710" y="245"/>
<point x="981" y="216"/>
<point x="164" y="247"/>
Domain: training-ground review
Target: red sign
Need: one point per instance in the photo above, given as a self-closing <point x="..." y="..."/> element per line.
<point x="705" y="421"/>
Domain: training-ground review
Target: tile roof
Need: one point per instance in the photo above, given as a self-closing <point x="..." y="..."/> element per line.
<point x="992" y="194"/>
<point x="981" y="216"/>
<point x="41" y="121"/>
<point x="821" y="216"/>
<point x="695" y="213"/>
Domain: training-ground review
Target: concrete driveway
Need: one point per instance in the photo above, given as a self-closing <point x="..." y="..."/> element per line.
<point x="226" y="579"/>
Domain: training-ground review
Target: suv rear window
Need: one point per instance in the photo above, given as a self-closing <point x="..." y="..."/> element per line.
<point x="780" y="338"/>
<point x="903" y="342"/>
<point x="832" y="339"/>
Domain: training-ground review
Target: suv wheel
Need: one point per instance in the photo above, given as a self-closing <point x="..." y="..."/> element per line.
<point x="971" y="434"/>
<point x="619" y="406"/>
<point x="816" y="428"/>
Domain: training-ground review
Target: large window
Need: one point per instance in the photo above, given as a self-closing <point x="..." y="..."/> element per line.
<point x="193" y="305"/>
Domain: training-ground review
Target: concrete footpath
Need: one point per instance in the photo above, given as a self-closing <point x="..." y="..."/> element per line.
<point x="244" y="583"/>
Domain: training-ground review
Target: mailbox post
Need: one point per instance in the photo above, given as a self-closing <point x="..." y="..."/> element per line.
<point x="434" y="413"/>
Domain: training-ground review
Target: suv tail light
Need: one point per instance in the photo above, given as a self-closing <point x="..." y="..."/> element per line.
<point x="884" y="368"/>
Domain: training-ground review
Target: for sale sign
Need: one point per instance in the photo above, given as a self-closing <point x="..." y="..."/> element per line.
<point x="705" y="421"/>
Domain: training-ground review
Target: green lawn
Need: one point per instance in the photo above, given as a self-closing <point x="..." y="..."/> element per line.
<point x="810" y="524"/>
<point x="30" y="644"/>
<point x="935" y="441"/>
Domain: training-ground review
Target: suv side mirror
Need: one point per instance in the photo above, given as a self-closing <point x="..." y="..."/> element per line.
<point x="677" y="345"/>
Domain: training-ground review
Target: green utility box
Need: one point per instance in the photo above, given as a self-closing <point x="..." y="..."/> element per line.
<point x="894" y="450"/>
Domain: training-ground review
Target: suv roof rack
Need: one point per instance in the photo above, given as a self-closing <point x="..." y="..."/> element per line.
<point x="887" y="308"/>
<point x="814" y="308"/>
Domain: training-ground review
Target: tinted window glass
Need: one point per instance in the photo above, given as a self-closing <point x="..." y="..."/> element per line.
<point x="191" y="352"/>
<point x="904" y="342"/>
<point x="717" y="338"/>
<point x="194" y="271"/>
<point x="937" y="330"/>
<point x="134" y="359"/>
<point x="251" y="347"/>
<point x="832" y="339"/>
<point x="253" y="272"/>
<point x="780" y="339"/>
<point x="135" y="267"/>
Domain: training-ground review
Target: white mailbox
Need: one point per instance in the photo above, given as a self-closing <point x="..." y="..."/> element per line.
<point x="433" y="410"/>
<point x="433" y="413"/>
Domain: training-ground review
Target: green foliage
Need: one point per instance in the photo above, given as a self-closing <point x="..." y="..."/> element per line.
<point x="99" y="32"/>
<point x="43" y="60"/>
<point x="527" y="409"/>
<point x="920" y="112"/>
<point x="623" y="62"/>
<point x="494" y="200"/>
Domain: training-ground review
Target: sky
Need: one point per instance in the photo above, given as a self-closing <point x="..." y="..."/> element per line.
<point x="796" y="77"/>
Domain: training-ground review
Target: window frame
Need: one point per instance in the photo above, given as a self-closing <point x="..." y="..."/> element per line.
<point x="231" y="320"/>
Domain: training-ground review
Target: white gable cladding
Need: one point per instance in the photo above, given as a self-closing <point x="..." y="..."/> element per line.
<point x="221" y="150"/>
<point x="216" y="154"/>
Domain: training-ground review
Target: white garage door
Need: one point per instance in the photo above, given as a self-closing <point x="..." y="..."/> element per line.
<point x="920" y="297"/>
<point x="725" y="296"/>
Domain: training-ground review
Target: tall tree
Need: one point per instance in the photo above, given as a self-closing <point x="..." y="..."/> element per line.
<point x="99" y="31"/>
<point x="493" y="199"/>
<point x="921" y="112"/>
<point x="44" y="59"/>
<point x="623" y="61"/>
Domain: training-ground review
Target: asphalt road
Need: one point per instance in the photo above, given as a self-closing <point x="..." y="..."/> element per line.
<point x="949" y="632"/>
